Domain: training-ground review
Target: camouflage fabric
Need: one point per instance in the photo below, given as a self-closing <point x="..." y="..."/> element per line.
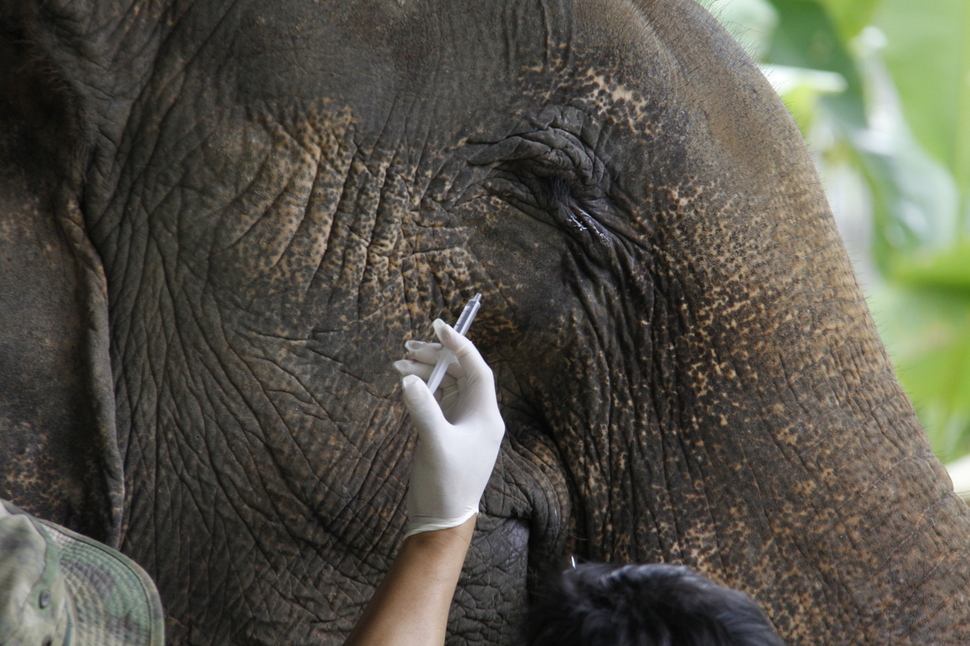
<point x="60" y="588"/>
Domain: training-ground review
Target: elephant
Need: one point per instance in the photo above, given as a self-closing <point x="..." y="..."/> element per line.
<point x="221" y="221"/>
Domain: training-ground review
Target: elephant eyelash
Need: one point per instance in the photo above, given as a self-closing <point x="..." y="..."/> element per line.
<point x="551" y="199"/>
<point x="576" y="215"/>
<point x="585" y="222"/>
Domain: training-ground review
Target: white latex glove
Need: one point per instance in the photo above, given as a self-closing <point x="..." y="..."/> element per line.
<point x="458" y="440"/>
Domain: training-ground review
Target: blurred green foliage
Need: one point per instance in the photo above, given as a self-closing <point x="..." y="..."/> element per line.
<point x="881" y="91"/>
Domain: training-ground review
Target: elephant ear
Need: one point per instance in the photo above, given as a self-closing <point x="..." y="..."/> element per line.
<point x="59" y="455"/>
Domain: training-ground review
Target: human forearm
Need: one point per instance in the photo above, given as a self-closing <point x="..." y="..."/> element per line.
<point x="410" y="607"/>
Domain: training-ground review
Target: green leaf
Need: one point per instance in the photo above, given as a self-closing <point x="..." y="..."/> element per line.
<point x="915" y="197"/>
<point x="928" y="55"/>
<point x="947" y="269"/>
<point x="850" y="16"/>
<point x="927" y="334"/>
<point x="915" y="202"/>
<point x="807" y="38"/>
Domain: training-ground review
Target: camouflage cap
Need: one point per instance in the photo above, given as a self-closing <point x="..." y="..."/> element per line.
<point x="58" y="588"/>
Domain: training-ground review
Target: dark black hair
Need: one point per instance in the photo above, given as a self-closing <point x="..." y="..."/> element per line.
<point x="643" y="605"/>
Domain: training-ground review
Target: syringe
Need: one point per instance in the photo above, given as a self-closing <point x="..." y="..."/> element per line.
<point x="445" y="356"/>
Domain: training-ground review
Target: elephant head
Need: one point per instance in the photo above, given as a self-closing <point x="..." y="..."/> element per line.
<point x="259" y="203"/>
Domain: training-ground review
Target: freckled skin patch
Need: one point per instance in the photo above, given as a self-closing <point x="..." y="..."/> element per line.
<point x="686" y="367"/>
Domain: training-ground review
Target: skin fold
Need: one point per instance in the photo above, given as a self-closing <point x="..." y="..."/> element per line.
<point x="221" y="219"/>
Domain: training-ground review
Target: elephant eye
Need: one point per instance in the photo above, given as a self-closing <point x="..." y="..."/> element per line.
<point x="552" y="176"/>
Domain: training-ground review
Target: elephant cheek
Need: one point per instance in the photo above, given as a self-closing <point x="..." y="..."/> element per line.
<point x="522" y="531"/>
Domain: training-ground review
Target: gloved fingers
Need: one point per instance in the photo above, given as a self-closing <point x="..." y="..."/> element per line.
<point x="423" y="370"/>
<point x="428" y="353"/>
<point x="407" y="367"/>
<point x="479" y="389"/>
<point x="448" y="382"/>
<point x="425" y="412"/>
<point x="447" y="395"/>
<point x="421" y="351"/>
<point x="471" y="361"/>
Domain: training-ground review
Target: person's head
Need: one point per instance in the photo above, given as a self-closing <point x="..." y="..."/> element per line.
<point x="644" y="605"/>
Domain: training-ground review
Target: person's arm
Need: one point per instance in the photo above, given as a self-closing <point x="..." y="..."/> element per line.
<point x="458" y="442"/>
<point x="411" y="605"/>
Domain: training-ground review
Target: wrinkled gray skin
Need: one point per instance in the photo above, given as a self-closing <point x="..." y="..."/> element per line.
<point x="221" y="220"/>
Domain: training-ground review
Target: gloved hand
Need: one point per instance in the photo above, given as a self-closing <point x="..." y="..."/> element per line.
<point x="458" y="440"/>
